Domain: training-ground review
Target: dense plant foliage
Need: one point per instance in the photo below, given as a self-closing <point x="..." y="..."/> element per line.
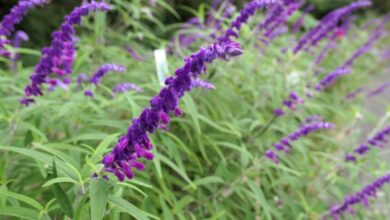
<point x="267" y="131"/>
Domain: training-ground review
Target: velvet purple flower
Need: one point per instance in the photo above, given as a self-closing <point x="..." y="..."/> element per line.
<point x="103" y="70"/>
<point x="328" y="24"/>
<point x="285" y="144"/>
<point x="59" y="57"/>
<point x="15" y="16"/>
<point x="362" y="197"/>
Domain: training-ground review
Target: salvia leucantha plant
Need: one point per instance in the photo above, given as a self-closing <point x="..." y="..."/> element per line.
<point x="270" y="134"/>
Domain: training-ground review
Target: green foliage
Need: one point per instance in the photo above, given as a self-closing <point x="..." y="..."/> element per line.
<point x="210" y="163"/>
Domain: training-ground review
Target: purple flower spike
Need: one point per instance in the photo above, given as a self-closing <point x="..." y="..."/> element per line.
<point x="198" y="83"/>
<point x="249" y="10"/>
<point x="124" y="87"/>
<point x="59" y="57"/>
<point x="378" y="140"/>
<point x="7" y="25"/>
<point x="328" y="24"/>
<point x="99" y="74"/>
<point x="361" y="197"/>
<point x="379" y="89"/>
<point x="331" y="78"/>
<point x="285" y="144"/>
<point x="136" y="144"/>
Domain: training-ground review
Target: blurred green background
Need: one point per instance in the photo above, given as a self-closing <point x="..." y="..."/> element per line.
<point x="41" y="22"/>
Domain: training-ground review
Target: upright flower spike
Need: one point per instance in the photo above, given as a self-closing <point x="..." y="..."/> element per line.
<point x="328" y="24"/>
<point x="101" y="72"/>
<point x="7" y="25"/>
<point x="363" y="197"/>
<point x="378" y="140"/>
<point x="59" y="57"/>
<point x="136" y="144"/>
<point x="285" y="144"/>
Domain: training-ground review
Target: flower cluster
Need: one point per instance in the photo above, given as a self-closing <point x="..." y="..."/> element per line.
<point x="7" y="25"/>
<point x="377" y="141"/>
<point x="136" y="144"/>
<point x="101" y="72"/>
<point x="362" y="197"/>
<point x="328" y="25"/>
<point x="59" y="57"/>
<point x="285" y="144"/>
<point x="124" y="87"/>
<point x="290" y="103"/>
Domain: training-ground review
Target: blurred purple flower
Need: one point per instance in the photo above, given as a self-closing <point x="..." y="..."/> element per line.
<point x="331" y="78"/>
<point x="292" y="102"/>
<point x="88" y="93"/>
<point x="55" y="82"/>
<point x="198" y="83"/>
<point x="379" y="89"/>
<point x="285" y="144"/>
<point x="353" y="94"/>
<point x="328" y="24"/>
<point x="101" y="72"/>
<point x="16" y="42"/>
<point x="378" y="140"/>
<point x="14" y="17"/>
<point x="298" y="24"/>
<point x="361" y="197"/>
<point x="59" y="57"/>
<point x="249" y="10"/>
<point x="133" y="53"/>
<point x="124" y="87"/>
<point x="278" y="112"/>
<point x="82" y="77"/>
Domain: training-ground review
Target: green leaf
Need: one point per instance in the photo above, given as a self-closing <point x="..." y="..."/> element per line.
<point x="62" y="199"/>
<point x="98" y="193"/>
<point x="45" y="158"/>
<point x="127" y="207"/>
<point x="20" y="212"/>
<point x="21" y="198"/>
<point x="59" y="180"/>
